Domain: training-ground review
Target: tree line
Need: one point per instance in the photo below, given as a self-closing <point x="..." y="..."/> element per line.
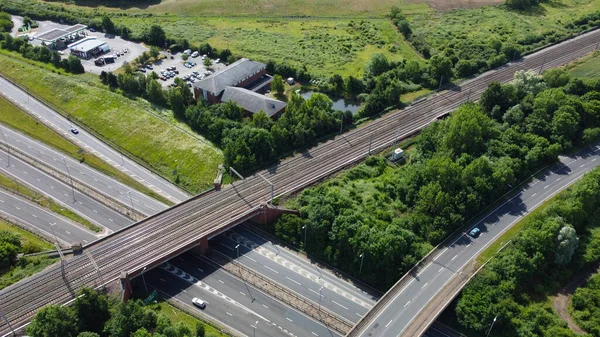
<point x="554" y="246"/>
<point x="95" y="314"/>
<point x="71" y="64"/>
<point x="459" y="166"/>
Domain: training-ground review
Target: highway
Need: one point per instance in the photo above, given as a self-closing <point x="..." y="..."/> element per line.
<point x="62" y="193"/>
<point x="231" y="300"/>
<point x="38" y="220"/>
<point x="167" y="234"/>
<point x="90" y="143"/>
<point x="81" y="172"/>
<point x="408" y="303"/>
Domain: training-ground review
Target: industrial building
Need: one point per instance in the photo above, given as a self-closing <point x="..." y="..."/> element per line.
<point x="58" y="38"/>
<point x="89" y="47"/>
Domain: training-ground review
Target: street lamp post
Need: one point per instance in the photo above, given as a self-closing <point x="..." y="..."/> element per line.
<point x="53" y="233"/>
<point x="70" y="178"/>
<point x="254" y="328"/>
<point x="144" y="279"/>
<point x="7" y="148"/>
<point x="304" y="227"/>
<point x="490" y="330"/>
<point x="362" y="257"/>
<point x="131" y="200"/>
<point x="320" y="289"/>
<point x="7" y="322"/>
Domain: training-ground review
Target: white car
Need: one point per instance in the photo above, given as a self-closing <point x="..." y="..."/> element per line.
<point x="195" y="54"/>
<point x="199" y="303"/>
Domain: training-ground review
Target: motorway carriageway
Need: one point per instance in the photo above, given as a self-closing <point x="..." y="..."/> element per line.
<point x="82" y="172"/>
<point x="414" y="296"/>
<point x="90" y="143"/>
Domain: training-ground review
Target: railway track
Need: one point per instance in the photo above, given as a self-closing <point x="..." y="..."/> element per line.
<point x="153" y="240"/>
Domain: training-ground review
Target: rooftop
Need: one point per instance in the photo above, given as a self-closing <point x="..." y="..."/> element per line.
<point x="251" y="101"/>
<point x="86" y="44"/>
<point x="57" y="33"/>
<point x="232" y="75"/>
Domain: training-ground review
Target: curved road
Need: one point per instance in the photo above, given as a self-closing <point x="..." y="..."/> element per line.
<point x="398" y="314"/>
<point x="90" y="143"/>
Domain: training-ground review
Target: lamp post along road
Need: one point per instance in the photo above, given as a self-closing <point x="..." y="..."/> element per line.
<point x="362" y="257"/>
<point x="490" y="330"/>
<point x="70" y="178"/>
<point x="305" y="227"/>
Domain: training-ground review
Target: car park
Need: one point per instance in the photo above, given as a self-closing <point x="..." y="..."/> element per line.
<point x="199" y="303"/>
<point x="74" y="131"/>
<point x="475" y="232"/>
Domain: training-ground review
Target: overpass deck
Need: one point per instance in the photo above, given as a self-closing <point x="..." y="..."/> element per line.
<point x="179" y="228"/>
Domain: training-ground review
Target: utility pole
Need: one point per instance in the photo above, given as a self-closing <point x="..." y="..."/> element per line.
<point x="70" y="178"/>
<point x="362" y="257"/>
<point x="7" y="148"/>
<point x="272" y="187"/>
<point x="254" y="327"/>
<point x="441" y="80"/>
<point x="490" y="330"/>
<point x="8" y="323"/>
<point x="320" y="289"/>
<point x="542" y="66"/>
<point x="144" y="279"/>
<point x="131" y="200"/>
<point x="232" y="171"/>
<point x="304" y="227"/>
<point x="469" y="96"/>
<point x="95" y="266"/>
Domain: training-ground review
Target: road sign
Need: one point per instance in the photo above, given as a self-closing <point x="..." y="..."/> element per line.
<point x="151" y="297"/>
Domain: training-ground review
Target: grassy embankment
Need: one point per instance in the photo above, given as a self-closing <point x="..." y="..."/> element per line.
<point x="131" y="123"/>
<point x="20" y="120"/>
<point x="12" y="185"/>
<point x="587" y="67"/>
<point x="29" y="265"/>
<point x="176" y="316"/>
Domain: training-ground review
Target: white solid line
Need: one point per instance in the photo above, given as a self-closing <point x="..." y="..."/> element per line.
<point x="314" y="333"/>
<point x="425" y="285"/>
<point x="582" y="165"/>
<point x="455" y="256"/>
<point x="298" y="283"/>
<point x="316" y="292"/>
<point x="288" y="319"/>
<point x="251" y="259"/>
<point x="390" y="322"/>
<point x="334" y="302"/>
<point x="181" y="259"/>
<point x="407" y="303"/>
<point x="558" y="179"/>
<point x="545" y="187"/>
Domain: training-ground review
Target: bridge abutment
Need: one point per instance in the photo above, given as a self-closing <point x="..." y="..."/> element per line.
<point x="126" y="286"/>
<point x="269" y="213"/>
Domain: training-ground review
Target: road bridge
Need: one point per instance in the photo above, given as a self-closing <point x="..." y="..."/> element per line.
<point x="188" y="225"/>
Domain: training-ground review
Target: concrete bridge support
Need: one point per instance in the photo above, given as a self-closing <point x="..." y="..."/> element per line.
<point x="269" y="213"/>
<point x="126" y="286"/>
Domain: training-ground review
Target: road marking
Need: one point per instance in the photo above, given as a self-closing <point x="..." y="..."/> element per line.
<point x="357" y="314"/>
<point x="25" y="172"/>
<point x="200" y="270"/>
<point x="582" y="165"/>
<point x="314" y="333"/>
<point x="228" y="314"/>
<point x="533" y="195"/>
<point x="251" y="259"/>
<point x="271" y="269"/>
<point x="17" y="208"/>
<point x="96" y="211"/>
<point x="298" y="283"/>
<point x="425" y="285"/>
<point x="558" y="179"/>
<point x="594" y="159"/>
<point x="35" y="216"/>
<point x="66" y="195"/>
<point x="289" y="319"/>
<point x="390" y="322"/>
<point x="110" y="219"/>
<point x="316" y="292"/>
<point x="265" y="306"/>
<point x="242" y="293"/>
<point x="545" y="187"/>
<point x="221" y="281"/>
<point x="226" y="246"/>
<point x="455" y="256"/>
<point x="162" y="280"/>
<point x="180" y="259"/>
<point x="68" y="232"/>
<point x="407" y="303"/>
<point x="439" y="271"/>
<point x="52" y="187"/>
<point x="334" y="302"/>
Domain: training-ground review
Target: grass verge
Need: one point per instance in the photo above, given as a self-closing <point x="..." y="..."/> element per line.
<point x="587" y="67"/>
<point x="44" y="201"/>
<point x="28" y="239"/>
<point x="130" y="124"/>
<point x="20" y="120"/>
<point x="176" y="316"/>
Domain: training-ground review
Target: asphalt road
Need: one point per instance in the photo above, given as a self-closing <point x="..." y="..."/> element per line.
<point x="231" y="301"/>
<point x="161" y="237"/>
<point x="62" y="193"/>
<point x="290" y="271"/>
<point x="39" y="220"/>
<point x="407" y="304"/>
<point x="91" y="143"/>
<point x="82" y="172"/>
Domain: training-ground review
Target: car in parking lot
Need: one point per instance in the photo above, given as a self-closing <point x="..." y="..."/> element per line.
<point x="199" y="303"/>
<point x="195" y="54"/>
<point x="475" y="232"/>
<point x="149" y="66"/>
<point x="74" y="131"/>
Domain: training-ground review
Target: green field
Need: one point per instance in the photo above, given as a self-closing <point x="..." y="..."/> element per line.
<point x="131" y="123"/>
<point x="28" y="239"/>
<point x="10" y="184"/>
<point x="176" y="316"/>
<point x="20" y="120"/>
<point x="483" y="24"/>
<point x="325" y="46"/>
<point x="588" y="67"/>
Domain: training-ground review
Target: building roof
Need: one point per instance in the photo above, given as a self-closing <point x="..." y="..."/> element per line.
<point x="86" y="44"/>
<point x="252" y="101"/>
<point x="232" y="75"/>
<point x="57" y="33"/>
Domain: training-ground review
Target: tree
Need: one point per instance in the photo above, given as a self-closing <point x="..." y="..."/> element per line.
<point x="88" y="334"/>
<point x="74" y="65"/>
<point x="92" y="310"/>
<point x="567" y="244"/>
<point x="353" y="87"/>
<point x="128" y="318"/>
<point x="108" y="25"/>
<point x="176" y="101"/>
<point x="10" y="245"/>
<point x="494" y="95"/>
<point x="528" y="82"/>
<point x="377" y="65"/>
<point x="154" y="92"/>
<point x="247" y="147"/>
<point x="154" y="51"/>
<point x="200" y="330"/>
<point x="155" y="36"/>
<point x="556" y="77"/>
<point x="261" y="120"/>
<point x="441" y="68"/>
<point x="207" y="62"/>
<point x="521" y="4"/>
<point x="52" y="321"/>
<point x="277" y="84"/>
<point x="565" y="125"/>
<point x="404" y="28"/>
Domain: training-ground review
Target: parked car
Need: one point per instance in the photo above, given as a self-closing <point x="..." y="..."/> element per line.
<point x="74" y="131"/>
<point x="195" y="54"/>
<point x="217" y="60"/>
<point x="149" y="66"/>
<point x="187" y="51"/>
<point x="162" y="78"/>
<point x="92" y="29"/>
<point x="142" y="70"/>
<point x="199" y="303"/>
<point x="475" y="232"/>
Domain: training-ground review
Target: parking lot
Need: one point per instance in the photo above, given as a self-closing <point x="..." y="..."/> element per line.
<point x="183" y="72"/>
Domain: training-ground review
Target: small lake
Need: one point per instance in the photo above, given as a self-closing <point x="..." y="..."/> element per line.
<point x="341" y="104"/>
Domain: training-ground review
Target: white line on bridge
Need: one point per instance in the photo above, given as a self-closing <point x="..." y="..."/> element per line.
<point x="407" y="303"/>
<point x="298" y="283"/>
<point x="271" y="269"/>
<point x="334" y="302"/>
<point x="390" y="322"/>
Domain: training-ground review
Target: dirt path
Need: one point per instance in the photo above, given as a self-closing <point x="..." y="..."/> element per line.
<point x="561" y="301"/>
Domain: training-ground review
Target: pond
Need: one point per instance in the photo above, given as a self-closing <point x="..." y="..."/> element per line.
<point x="341" y="104"/>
